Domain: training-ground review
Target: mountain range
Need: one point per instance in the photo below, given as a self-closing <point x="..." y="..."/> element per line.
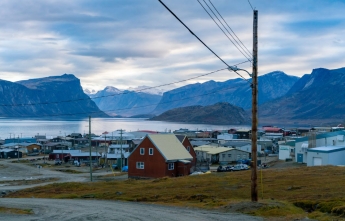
<point x="125" y="103"/>
<point x="318" y="97"/>
<point x="56" y="96"/>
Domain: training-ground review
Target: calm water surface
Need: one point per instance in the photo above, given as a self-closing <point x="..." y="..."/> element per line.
<point x="30" y="128"/>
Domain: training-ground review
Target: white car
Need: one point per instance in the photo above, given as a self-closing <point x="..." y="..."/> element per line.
<point x="240" y="167"/>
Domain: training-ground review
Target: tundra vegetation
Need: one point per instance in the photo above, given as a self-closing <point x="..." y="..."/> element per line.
<point x="285" y="194"/>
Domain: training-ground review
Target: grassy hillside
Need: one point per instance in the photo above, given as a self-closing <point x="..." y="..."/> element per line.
<point x="286" y="194"/>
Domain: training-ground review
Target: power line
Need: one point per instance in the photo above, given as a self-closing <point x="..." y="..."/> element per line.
<point x="245" y="55"/>
<point x="111" y="95"/>
<point x="250" y="5"/>
<point x="231" y="29"/>
<point x="198" y="38"/>
<point x="104" y="111"/>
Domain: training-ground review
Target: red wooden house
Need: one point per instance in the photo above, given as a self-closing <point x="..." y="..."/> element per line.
<point x="159" y="155"/>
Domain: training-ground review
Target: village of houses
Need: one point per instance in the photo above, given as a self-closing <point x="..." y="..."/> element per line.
<point x="150" y="154"/>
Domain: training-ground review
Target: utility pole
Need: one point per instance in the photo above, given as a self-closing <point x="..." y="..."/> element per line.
<point x="254" y="188"/>
<point x="90" y="147"/>
<point x="121" y="149"/>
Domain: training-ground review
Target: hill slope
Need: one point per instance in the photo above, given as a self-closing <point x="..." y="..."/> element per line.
<point x="219" y="113"/>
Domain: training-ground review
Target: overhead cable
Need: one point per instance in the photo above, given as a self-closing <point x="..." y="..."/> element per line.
<point x="199" y="38"/>
<point x="236" y="45"/>
<point x="231" y="29"/>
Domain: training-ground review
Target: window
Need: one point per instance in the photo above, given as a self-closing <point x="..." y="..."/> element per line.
<point x="223" y="155"/>
<point x="238" y="156"/>
<point x="170" y="166"/>
<point x="229" y="155"/>
<point x="140" y="165"/>
<point x="142" y="151"/>
<point x="150" y="151"/>
<point x="188" y="148"/>
<point x="244" y="156"/>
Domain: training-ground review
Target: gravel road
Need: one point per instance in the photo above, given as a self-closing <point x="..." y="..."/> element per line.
<point x="78" y="210"/>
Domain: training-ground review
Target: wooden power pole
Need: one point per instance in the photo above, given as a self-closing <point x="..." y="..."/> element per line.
<point x="254" y="187"/>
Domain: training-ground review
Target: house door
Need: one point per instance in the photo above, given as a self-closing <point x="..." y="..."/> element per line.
<point x="317" y="161"/>
<point x="300" y="158"/>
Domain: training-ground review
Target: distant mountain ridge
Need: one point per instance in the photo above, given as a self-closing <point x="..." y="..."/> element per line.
<point x="125" y="103"/>
<point x="43" y="97"/>
<point x="221" y="113"/>
<point x="234" y="91"/>
<point x="316" y="97"/>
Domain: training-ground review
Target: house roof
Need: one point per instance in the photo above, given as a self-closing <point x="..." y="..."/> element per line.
<point x="199" y="143"/>
<point x="213" y="150"/>
<point x="84" y="154"/>
<point x="322" y="135"/>
<point x="66" y="151"/>
<point x="29" y="144"/>
<point x="236" y="144"/>
<point x="8" y="150"/>
<point x="328" y="149"/>
<point x="170" y="147"/>
<point x="9" y="145"/>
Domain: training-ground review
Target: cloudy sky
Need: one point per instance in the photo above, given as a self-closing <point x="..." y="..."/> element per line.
<point x="129" y="43"/>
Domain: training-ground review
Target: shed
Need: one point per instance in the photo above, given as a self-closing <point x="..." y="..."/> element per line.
<point x="10" y="153"/>
<point x="286" y="152"/>
<point x="331" y="155"/>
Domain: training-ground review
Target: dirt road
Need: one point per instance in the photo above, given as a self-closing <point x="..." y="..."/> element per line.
<point x="58" y="209"/>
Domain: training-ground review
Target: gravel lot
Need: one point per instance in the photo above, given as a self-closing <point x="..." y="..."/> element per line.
<point x="51" y="209"/>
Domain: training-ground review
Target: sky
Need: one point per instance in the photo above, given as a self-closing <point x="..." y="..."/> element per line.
<point x="131" y="43"/>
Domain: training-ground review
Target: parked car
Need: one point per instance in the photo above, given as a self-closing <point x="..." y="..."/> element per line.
<point x="224" y="169"/>
<point x="57" y="162"/>
<point x="240" y="167"/>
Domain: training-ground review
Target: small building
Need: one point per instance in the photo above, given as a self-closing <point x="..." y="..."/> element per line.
<point x="244" y="134"/>
<point x="30" y="148"/>
<point x="224" y="155"/>
<point x="10" y="153"/>
<point x="286" y="152"/>
<point x="317" y="140"/>
<point x="84" y="157"/>
<point x="159" y="155"/>
<point x="321" y="156"/>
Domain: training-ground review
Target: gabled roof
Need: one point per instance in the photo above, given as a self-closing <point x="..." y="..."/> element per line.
<point x="328" y="149"/>
<point x="199" y="143"/>
<point x="85" y="154"/>
<point x="236" y="144"/>
<point x="213" y="150"/>
<point x="169" y="146"/>
<point x="29" y="144"/>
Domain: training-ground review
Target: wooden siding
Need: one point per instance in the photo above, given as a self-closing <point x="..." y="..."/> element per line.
<point x="187" y="143"/>
<point x="154" y="165"/>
